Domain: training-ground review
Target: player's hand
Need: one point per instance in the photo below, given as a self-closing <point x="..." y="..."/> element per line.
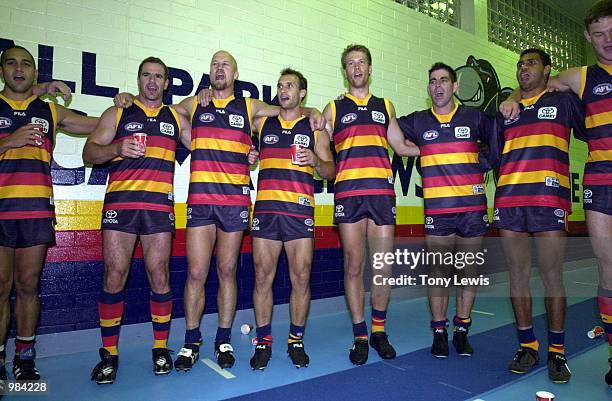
<point x="123" y="100"/>
<point x="204" y="97"/>
<point x="306" y="157"/>
<point x="509" y="108"/>
<point x="130" y="148"/>
<point x="53" y="89"/>
<point x="340" y="96"/>
<point x="554" y="85"/>
<point x="25" y="135"/>
<point x="317" y="121"/>
<point x="253" y="155"/>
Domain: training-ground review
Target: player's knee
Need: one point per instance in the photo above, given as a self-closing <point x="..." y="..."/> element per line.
<point x="226" y="271"/>
<point x="26" y="285"/>
<point x="301" y="280"/>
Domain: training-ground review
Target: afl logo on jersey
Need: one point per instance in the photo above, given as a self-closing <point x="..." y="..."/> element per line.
<point x="207" y="117"/>
<point x="547" y="113"/>
<point x="133" y="127"/>
<point x="602" y="89"/>
<point x="270" y="139"/>
<point x="430" y="135"/>
<point x="166" y="129"/>
<point x="236" y="121"/>
<point x="348" y="118"/>
<point x="509" y="121"/>
<point x="378" y="117"/>
<point x="462" y="132"/>
<point x="5" y="122"/>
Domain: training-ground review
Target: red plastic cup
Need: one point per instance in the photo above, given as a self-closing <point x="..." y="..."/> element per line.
<point x="295" y="148"/>
<point x="544" y="396"/>
<point x="39" y="136"/>
<point x="141" y="138"/>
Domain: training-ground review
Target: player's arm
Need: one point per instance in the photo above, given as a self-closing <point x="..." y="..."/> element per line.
<point x="185" y="134"/>
<point x="395" y="137"/>
<point x="100" y="148"/>
<point x="74" y="123"/>
<point x="24" y="135"/>
<point x="323" y="161"/>
<point x="52" y="88"/>
<point x="185" y="106"/>
<point x="262" y="109"/>
<point x="489" y="152"/>
<point x="568" y="80"/>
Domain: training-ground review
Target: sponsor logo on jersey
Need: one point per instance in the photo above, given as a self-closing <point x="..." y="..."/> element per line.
<point x="166" y="129"/>
<point x="478" y="189"/>
<point x="462" y="132"/>
<point x="300" y="139"/>
<point x="236" y="121"/>
<point x="552" y="182"/>
<point x="547" y="113"/>
<point x="378" y="117"/>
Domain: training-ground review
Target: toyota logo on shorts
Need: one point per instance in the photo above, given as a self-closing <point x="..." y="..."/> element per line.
<point x="255" y="222"/>
<point x="428" y="220"/>
<point x="339" y="208"/>
<point x="110" y="214"/>
<point x="588" y="194"/>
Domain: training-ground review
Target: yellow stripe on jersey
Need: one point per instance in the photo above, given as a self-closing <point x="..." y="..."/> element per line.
<point x="27" y="153"/>
<point x="534" y="141"/>
<point x="155" y="152"/>
<point x="532" y="177"/>
<point x="449" y="191"/>
<point x="118" y="117"/>
<point x="448" y="158"/>
<point x="194" y="107"/>
<point x="176" y="117"/>
<point x="583" y="79"/>
<point x="249" y="108"/>
<point x="261" y="124"/>
<point x="368" y="172"/>
<point x="359" y="101"/>
<point x="445" y="118"/>
<point x="600" y="156"/>
<point x="332" y="107"/>
<point x="606" y="318"/>
<point x="18" y="105"/>
<point x="149" y="111"/>
<point x="388" y="108"/>
<point x="533" y="100"/>
<point x="222" y="103"/>
<point x="53" y="108"/>
<point x="25" y="191"/>
<point x="140" y="185"/>
<point x="361" y="140"/>
<point x="597" y="120"/>
<point x="283" y="164"/>
<point x="283" y="196"/>
<point x="220" y="144"/>
<point x="219" y="178"/>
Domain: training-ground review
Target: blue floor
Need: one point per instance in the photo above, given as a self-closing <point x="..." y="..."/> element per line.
<point x="413" y="375"/>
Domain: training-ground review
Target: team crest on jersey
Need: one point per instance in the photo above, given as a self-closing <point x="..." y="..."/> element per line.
<point x="478" y="188"/>
<point x="378" y="117"/>
<point x="236" y="121"/>
<point x="166" y="129"/>
<point x="133" y="126"/>
<point x="5" y="122"/>
<point x="302" y="200"/>
<point x="348" y="118"/>
<point x="270" y="139"/>
<point x="41" y="121"/>
<point x="206" y="117"/>
<point x="430" y="135"/>
<point x="547" y="113"/>
<point x="303" y="140"/>
<point x="462" y="132"/>
<point x="602" y="89"/>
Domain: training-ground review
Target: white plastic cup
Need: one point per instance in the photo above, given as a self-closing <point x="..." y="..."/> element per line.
<point x="545" y="396"/>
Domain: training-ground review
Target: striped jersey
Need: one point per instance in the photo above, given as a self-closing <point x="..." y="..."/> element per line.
<point x="145" y="183"/>
<point x="453" y="178"/>
<point x="360" y="141"/>
<point x="284" y="187"/>
<point x="26" y="189"/>
<point x="596" y="94"/>
<point x="220" y="144"/>
<point x="534" y="167"/>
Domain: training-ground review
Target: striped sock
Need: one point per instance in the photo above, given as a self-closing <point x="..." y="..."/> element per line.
<point x="264" y="335"/>
<point x="24" y="344"/>
<point x="360" y="331"/>
<point x="556" y="341"/>
<point x="161" y="313"/>
<point x="527" y="339"/>
<point x="110" y="308"/>
<point x="193" y="336"/>
<point x="604" y="300"/>
<point x="462" y="324"/>
<point x="439" y="325"/>
<point x="378" y="320"/>
<point x="296" y="333"/>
